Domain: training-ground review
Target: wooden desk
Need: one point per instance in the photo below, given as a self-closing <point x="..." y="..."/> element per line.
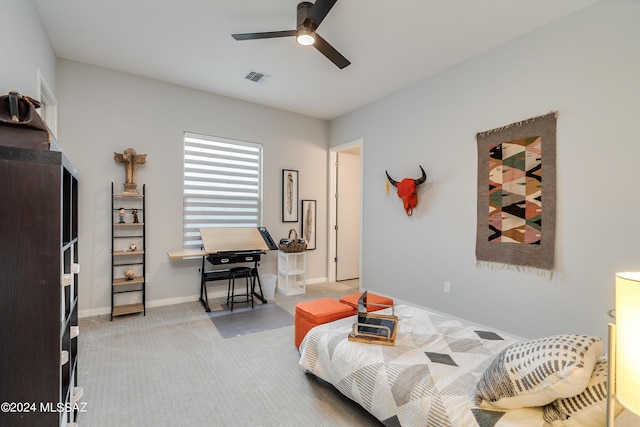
<point x="225" y="246"/>
<point x="186" y="254"/>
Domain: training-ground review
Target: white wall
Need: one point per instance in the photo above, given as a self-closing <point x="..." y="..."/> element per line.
<point x="104" y="111"/>
<point x="24" y="50"/>
<point x="586" y="67"/>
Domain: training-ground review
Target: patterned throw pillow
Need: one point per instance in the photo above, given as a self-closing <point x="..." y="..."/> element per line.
<point x="587" y="409"/>
<point x="539" y="371"/>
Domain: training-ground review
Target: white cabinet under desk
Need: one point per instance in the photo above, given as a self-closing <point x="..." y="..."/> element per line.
<point x="292" y="272"/>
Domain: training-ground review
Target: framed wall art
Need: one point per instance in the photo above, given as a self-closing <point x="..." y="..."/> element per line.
<point x="289" y="195"/>
<point x="308" y="225"/>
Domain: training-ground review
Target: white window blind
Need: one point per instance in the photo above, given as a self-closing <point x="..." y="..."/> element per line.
<point x="222" y="185"/>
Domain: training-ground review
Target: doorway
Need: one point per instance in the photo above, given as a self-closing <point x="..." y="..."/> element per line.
<point x="345" y="212"/>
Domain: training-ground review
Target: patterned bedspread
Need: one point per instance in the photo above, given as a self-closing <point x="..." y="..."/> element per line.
<point x="426" y="379"/>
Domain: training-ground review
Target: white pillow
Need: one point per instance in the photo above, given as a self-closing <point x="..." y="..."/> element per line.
<point x="539" y="371"/>
<point x="587" y="409"/>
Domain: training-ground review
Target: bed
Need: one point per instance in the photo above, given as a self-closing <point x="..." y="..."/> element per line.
<point x="442" y="371"/>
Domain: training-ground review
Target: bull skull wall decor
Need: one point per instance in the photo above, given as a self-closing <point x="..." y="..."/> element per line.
<point x="407" y="190"/>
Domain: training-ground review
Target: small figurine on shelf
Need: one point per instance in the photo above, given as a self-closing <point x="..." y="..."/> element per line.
<point x="121" y="216"/>
<point x="135" y="216"/>
<point x="133" y="246"/>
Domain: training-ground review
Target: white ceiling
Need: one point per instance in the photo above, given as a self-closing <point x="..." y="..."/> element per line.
<point x="391" y="43"/>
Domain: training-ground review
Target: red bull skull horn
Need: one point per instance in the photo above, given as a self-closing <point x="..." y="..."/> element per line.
<point x="407" y="190"/>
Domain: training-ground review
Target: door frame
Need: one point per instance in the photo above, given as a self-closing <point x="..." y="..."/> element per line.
<point x="333" y="183"/>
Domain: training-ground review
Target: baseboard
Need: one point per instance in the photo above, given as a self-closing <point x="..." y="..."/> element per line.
<point x="158" y="303"/>
<point x="316" y="281"/>
<point x="94" y="312"/>
<point x="170" y="301"/>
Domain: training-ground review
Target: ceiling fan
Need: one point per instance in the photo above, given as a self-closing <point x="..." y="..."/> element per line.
<point x="309" y="17"/>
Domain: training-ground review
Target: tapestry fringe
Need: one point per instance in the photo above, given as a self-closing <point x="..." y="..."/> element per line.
<point x="520" y="268"/>
<point x="520" y="123"/>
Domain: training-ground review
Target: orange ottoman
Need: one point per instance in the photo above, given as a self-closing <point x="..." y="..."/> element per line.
<point x="372" y="299"/>
<point x="317" y="312"/>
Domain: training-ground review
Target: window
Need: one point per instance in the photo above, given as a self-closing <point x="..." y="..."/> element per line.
<point x="222" y="185"/>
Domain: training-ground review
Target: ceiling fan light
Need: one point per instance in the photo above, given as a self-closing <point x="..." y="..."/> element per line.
<point x="305" y="38"/>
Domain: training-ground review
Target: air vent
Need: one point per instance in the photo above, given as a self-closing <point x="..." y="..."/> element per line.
<point x="256" y="77"/>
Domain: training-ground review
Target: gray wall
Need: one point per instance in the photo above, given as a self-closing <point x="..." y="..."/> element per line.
<point x="25" y="49"/>
<point x="102" y="111"/>
<point x="586" y="67"/>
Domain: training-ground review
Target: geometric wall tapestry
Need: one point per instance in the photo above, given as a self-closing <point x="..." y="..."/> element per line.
<point x="516" y="218"/>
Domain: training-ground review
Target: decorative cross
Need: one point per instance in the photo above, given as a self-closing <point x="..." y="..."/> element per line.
<point x="131" y="161"/>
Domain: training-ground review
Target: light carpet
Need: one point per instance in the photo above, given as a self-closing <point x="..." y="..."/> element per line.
<point x="171" y="368"/>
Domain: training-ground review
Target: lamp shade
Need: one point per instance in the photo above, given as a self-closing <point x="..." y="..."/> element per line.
<point x="628" y="340"/>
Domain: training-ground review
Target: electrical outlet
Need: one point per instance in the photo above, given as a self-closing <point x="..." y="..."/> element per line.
<point x="447" y="287"/>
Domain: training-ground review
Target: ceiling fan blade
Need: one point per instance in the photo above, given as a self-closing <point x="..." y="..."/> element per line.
<point x="265" y="35"/>
<point x="330" y="52"/>
<point x="319" y="11"/>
